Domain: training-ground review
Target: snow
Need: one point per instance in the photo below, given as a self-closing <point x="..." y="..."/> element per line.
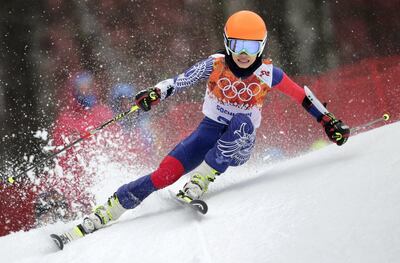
<point x="338" y="204"/>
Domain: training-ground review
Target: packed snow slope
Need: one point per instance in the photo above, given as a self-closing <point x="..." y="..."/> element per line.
<point x="338" y="204"/>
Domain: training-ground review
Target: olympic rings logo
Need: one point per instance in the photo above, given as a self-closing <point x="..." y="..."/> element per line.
<point x="238" y="89"/>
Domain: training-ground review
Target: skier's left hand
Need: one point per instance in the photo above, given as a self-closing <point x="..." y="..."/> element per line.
<point x="336" y="130"/>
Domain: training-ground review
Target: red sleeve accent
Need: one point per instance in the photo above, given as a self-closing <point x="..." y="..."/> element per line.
<point x="290" y="88"/>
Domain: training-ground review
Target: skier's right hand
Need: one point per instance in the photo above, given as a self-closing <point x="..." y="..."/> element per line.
<point x="146" y="98"/>
<point x="336" y="130"/>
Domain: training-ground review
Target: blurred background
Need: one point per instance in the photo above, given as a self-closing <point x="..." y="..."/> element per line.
<point x="58" y="56"/>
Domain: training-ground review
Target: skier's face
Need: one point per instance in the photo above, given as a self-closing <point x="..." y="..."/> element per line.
<point x="243" y="60"/>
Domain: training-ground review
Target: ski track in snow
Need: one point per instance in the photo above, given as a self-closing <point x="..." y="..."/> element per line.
<point x="338" y="204"/>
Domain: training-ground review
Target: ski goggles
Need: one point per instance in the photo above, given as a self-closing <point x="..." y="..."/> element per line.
<point x="250" y="47"/>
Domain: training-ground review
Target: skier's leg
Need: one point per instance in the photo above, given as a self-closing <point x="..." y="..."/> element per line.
<point x="235" y="145"/>
<point x="232" y="149"/>
<point x="130" y="195"/>
<point x="182" y="159"/>
<point x="191" y="151"/>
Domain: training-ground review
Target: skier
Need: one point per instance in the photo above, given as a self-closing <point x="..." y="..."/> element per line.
<point x="237" y="83"/>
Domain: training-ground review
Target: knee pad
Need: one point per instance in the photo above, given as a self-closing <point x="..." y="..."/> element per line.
<point x="169" y="171"/>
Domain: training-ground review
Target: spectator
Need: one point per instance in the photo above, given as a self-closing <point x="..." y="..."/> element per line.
<point x="50" y="207"/>
<point x="84" y="112"/>
<point x="121" y="99"/>
<point x="133" y="137"/>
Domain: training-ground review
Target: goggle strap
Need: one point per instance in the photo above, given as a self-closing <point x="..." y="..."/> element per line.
<point x="226" y="44"/>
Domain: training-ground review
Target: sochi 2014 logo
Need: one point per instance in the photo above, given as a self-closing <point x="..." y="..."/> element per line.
<point x="238" y="89"/>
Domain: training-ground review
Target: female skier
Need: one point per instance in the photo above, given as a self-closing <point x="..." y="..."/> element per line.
<point x="237" y="83"/>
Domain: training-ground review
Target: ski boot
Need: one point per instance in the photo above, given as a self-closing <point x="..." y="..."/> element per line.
<point x="110" y="211"/>
<point x="100" y="217"/>
<point x="198" y="184"/>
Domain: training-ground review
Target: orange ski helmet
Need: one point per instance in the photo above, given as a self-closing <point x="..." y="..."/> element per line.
<point x="245" y="25"/>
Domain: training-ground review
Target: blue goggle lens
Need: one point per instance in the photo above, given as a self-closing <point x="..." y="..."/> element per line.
<point x="249" y="46"/>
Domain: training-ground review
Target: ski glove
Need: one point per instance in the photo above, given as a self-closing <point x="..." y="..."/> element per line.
<point x="146" y="98"/>
<point x="336" y="130"/>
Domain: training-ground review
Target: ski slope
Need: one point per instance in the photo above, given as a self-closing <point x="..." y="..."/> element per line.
<point x="338" y="204"/>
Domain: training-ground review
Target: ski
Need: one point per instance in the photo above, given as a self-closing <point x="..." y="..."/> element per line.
<point x="196" y="204"/>
<point x="74" y="233"/>
<point x="87" y="226"/>
<point x="59" y="240"/>
<point x="199" y="205"/>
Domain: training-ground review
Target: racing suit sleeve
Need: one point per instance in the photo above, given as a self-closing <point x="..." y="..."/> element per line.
<point x="303" y="96"/>
<point x="196" y="73"/>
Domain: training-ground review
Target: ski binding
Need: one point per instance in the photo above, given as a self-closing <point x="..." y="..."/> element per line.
<point x="196" y="204"/>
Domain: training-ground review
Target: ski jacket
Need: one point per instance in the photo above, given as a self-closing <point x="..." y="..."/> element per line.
<point x="227" y="94"/>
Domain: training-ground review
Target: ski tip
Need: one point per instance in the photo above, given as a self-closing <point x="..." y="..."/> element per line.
<point x="200" y="205"/>
<point x="58" y="241"/>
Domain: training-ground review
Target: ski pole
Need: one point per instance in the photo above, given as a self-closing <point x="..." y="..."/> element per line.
<point x="86" y="135"/>
<point x="385" y="117"/>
